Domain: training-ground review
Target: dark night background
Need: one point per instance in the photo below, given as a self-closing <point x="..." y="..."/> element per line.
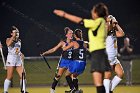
<point x="40" y="29"/>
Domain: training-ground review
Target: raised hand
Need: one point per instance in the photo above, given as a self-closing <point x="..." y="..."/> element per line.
<point x="60" y="13"/>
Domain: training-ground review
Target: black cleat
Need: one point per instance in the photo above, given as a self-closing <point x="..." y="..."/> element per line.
<point x="111" y="92"/>
<point x="24" y="92"/>
<point x="5" y="92"/>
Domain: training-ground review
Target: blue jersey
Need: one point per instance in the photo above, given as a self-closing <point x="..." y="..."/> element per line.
<point x="79" y="59"/>
<point x="68" y="53"/>
<point x="66" y="58"/>
<point x="79" y="53"/>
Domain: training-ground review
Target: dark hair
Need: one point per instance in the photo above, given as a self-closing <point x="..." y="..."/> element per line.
<point x="101" y="10"/>
<point x="78" y="33"/>
<point x="12" y="28"/>
<point x="66" y="29"/>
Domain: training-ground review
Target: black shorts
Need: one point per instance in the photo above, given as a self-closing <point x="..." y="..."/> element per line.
<point x="99" y="61"/>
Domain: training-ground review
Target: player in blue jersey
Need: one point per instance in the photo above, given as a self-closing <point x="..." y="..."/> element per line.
<point x="77" y="66"/>
<point x="65" y="59"/>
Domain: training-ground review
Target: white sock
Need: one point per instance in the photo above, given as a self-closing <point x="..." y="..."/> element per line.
<point x="115" y="81"/>
<point x="24" y="84"/>
<point x="6" y="85"/>
<point x="106" y="83"/>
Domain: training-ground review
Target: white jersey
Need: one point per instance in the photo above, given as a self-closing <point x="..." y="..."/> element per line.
<point x="15" y="48"/>
<point x="14" y="55"/>
<point x="111" y="45"/>
<point x="112" y="49"/>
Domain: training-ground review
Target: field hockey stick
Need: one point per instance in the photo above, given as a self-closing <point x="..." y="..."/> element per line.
<point x="46" y="61"/>
<point x="23" y="77"/>
<point x="1" y="51"/>
<point x="39" y="49"/>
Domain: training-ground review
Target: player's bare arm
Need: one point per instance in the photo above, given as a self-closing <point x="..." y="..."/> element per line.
<point x="68" y="47"/>
<point x="119" y="32"/>
<point x="68" y="16"/>
<point x="53" y="49"/>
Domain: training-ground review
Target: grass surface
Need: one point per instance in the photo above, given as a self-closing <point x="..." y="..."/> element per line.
<point x="39" y="74"/>
<point x="86" y="89"/>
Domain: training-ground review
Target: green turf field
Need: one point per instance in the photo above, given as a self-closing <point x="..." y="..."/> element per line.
<point x="86" y="89"/>
<point x="39" y="74"/>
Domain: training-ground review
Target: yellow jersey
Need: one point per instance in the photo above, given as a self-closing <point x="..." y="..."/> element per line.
<point x="97" y="33"/>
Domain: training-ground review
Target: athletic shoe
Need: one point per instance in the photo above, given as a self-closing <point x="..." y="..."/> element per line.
<point x="52" y="90"/>
<point x="67" y="91"/>
<point x="24" y="92"/>
<point x="5" y="92"/>
<point x="79" y="91"/>
<point x="70" y="91"/>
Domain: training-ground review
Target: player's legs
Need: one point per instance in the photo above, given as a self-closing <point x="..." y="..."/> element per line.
<point x="107" y="81"/>
<point x="98" y="81"/>
<point x="116" y="80"/>
<point x="7" y="81"/>
<point x="57" y="77"/>
<point x="119" y="70"/>
<point x="99" y="65"/>
<point x="75" y="81"/>
<point x="69" y="79"/>
<point x="79" y="68"/>
<point x="19" y="70"/>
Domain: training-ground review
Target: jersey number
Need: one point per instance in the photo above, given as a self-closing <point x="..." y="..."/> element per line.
<point x="70" y="55"/>
<point x="81" y="54"/>
<point x="17" y="51"/>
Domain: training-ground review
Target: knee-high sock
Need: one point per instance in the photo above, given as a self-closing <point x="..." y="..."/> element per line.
<point x="75" y="83"/>
<point x="6" y="85"/>
<point x="100" y="89"/>
<point x="115" y="81"/>
<point x="106" y="83"/>
<point x="54" y="83"/>
<point x="23" y="85"/>
<point x="69" y="81"/>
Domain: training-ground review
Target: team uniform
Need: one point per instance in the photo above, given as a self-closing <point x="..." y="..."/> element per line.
<point x="14" y="54"/>
<point x="66" y="58"/>
<point x="79" y="59"/>
<point x="111" y="48"/>
<point x="97" y="35"/>
<point x="112" y="51"/>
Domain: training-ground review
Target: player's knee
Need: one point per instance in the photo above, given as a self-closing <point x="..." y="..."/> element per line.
<point x="57" y="77"/>
<point x="107" y="75"/>
<point x="75" y="75"/>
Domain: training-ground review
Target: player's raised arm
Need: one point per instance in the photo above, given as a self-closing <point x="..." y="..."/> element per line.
<point x="68" y="16"/>
<point x="119" y="32"/>
<point x="59" y="45"/>
<point x="118" y="29"/>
